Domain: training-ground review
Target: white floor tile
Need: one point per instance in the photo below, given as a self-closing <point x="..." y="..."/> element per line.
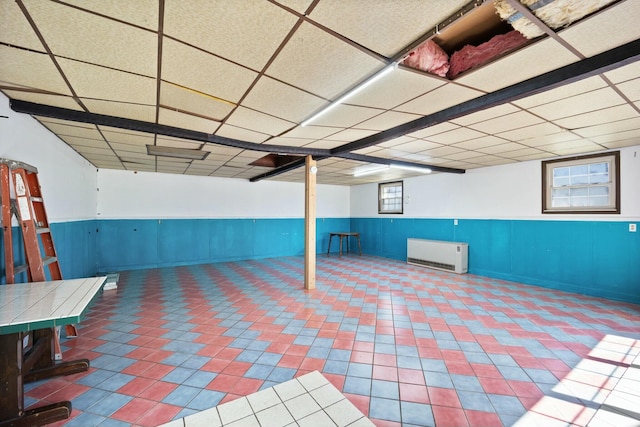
<point x="312" y="380"/>
<point x="207" y="418"/>
<point x="275" y="416"/>
<point x="263" y="399"/>
<point x="234" y="410"/>
<point x="317" y="419"/>
<point x="302" y="406"/>
<point x="289" y="390"/>
<point x="326" y="395"/>
<point x="343" y="412"/>
<point x="250" y="421"/>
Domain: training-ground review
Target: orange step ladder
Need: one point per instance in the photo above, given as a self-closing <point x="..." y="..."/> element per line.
<point x="30" y="212"/>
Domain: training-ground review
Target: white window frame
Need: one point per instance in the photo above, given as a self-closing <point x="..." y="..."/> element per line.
<point x="390" y="204"/>
<point x="579" y="183"/>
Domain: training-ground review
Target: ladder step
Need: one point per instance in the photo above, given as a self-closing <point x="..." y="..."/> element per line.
<point x="49" y="260"/>
<point x="43" y="230"/>
<point x="37" y="199"/>
<point x="20" y="268"/>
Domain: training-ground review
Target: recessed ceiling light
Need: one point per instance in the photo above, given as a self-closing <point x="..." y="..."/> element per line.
<point x="178" y="153"/>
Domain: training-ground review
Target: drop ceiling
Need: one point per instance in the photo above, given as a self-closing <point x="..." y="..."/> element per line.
<point x="242" y="76"/>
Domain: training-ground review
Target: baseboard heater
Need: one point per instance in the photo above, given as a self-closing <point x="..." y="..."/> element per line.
<point x="447" y="256"/>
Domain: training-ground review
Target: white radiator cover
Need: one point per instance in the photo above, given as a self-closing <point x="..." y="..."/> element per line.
<point x="447" y="256"/>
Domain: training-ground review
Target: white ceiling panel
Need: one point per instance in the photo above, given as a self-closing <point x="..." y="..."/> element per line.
<point x="98" y="40"/>
<point x="143" y="13"/>
<point x="312" y="132"/>
<point x="186" y="121"/>
<point x="501" y="149"/>
<point x="387" y="120"/>
<point x="346" y="116"/>
<point x="572" y="147"/>
<point x="273" y="97"/>
<point x="322" y="64"/>
<point x="16" y="30"/>
<point x="91" y="81"/>
<point x="519" y="66"/>
<point x="622" y="74"/>
<point x="607" y="128"/>
<point x="617" y="136"/>
<point x="563" y="92"/>
<point x="247" y="35"/>
<point x="606" y="30"/>
<point x="434" y="130"/>
<point x="592" y="118"/>
<point x="509" y="122"/>
<point x="42" y="72"/>
<point x="349" y="135"/>
<point x="396" y="88"/>
<point x="188" y="100"/>
<point x="77" y="131"/>
<point x="145" y="113"/>
<point x="528" y="132"/>
<point x="299" y="6"/>
<point x="482" y="115"/>
<point x="389" y="26"/>
<point x="417" y="146"/>
<point x="192" y="68"/>
<point x="241" y="134"/>
<point x="590" y="101"/>
<point x="456" y="135"/>
<point x="257" y="121"/>
<point x="631" y="89"/>
<point x="445" y="96"/>
<point x="485" y="141"/>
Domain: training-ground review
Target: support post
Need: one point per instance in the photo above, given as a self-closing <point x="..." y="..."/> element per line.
<point x="310" y="224"/>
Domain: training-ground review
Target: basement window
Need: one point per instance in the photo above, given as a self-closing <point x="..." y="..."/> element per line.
<point x="390" y="198"/>
<point x="585" y="184"/>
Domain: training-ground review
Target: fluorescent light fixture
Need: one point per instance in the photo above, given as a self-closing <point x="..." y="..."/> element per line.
<point x="386" y="70"/>
<point x="412" y="168"/>
<point x="370" y="170"/>
<point x="175" y="152"/>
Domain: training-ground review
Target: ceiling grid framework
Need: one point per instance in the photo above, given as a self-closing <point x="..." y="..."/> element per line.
<point x="247" y="73"/>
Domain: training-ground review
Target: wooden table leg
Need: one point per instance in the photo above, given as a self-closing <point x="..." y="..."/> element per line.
<point x="329" y="248"/>
<point x="359" y="246"/>
<point x="341" y="245"/>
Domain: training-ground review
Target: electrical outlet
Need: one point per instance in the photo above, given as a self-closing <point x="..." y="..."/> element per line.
<point x="455" y="222"/>
<point x="632" y="228"/>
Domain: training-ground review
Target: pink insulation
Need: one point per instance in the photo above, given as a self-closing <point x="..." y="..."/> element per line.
<point x="472" y="56"/>
<point x="429" y="57"/>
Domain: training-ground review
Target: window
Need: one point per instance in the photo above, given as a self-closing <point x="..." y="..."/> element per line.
<point x="390" y="198"/>
<point x="585" y="184"/>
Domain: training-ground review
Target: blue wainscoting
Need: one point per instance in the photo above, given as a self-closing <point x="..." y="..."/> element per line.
<point x="75" y="244"/>
<point x="144" y="243"/>
<point x="597" y="258"/>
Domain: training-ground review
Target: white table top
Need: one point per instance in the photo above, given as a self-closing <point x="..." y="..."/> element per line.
<point x="38" y="305"/>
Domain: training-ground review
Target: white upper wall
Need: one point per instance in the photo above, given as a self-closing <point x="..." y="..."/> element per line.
<point x="67" y="180"/>
<point x="510" y="191"/>
<point x="126" y="194"/>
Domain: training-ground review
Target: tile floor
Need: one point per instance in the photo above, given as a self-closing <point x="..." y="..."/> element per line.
<point x="406" y="345"/>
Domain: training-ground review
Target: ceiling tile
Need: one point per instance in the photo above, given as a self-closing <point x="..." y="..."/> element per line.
<point x="312" y="132"/>
<point x="91" y="81"/>
<point x="528" y="132"/>
<point x="322" y="64"/>
<point x="443" y="97"/>
<point x="441" y="151"/>
<point x="324" y="144"/>
<point x="346" y="116"/>
<point x="592" y="118"/>
<point x="617" y="136"/>
<point x="273" y="97"/>
<point x="563" y="92"/>
<point x="386" y="28"/>
<point x="143" y="13"/>
<point x="605" y="30"/>
<point x="483" y="115"/>
<point x="145" y="113"/>
<point x="247" y="35"/>
<point x="622" y="74"/>
<point x="241" y="134"/>
<point x="349" y="135"/>
<point x="387" y="120"/>
<point x="396" y="88"/>
<point x="193" y="69"/>
<point x="608" y="128"/>
<point x="191" y="101"/>
<point x="508" y="122"/>
<point x="98" y="40"/>
<point x="433" y="130"/>
<point x="417" y="146"/>
<point x="456" y="135"/>
<point x="572" y="147"/>
<point x="186" y="121"/>
<point x="77" y="131"/>
<point x="631" y="89"/>
<point x="501" y="149"/>
<point x="299" y="6"/>
<point x="578" y="104"/>
<point x="16" y="30"/>
<point x="42" y="72"/>
<point x="483" y="142"/>
<point x="254" y="120"/>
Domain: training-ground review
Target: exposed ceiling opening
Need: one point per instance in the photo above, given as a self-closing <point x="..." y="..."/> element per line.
<point x="275" y="160"/>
